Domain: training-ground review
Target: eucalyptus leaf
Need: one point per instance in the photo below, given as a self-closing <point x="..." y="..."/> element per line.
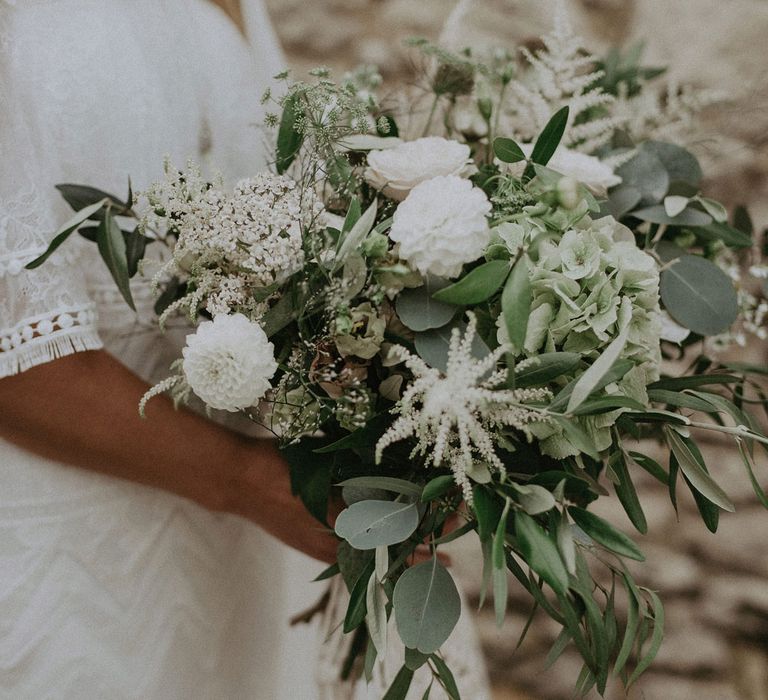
<point x="590" y="380"/>
<point x="437" y="487"/>
<point x="376" y="615"/>
<point x="446" y="677"/>
<point x="681" y="165"/>
<point x="656" y="638"/>
<point x="718" y="231"/>
<point x="357" y="608"/>
<point x="414" y="659"/>
<point x="81" y="196"/>
<point x="533" y="499"/>
<point x="432" y="345"/>
<point x="566" y="544"/>
<point x="605" y="404"/>
<point x="716" y="210"/>
<point x="699" y="295"/>
<point x="353" y="215"/>
<point x="476" y="286"/>
<point x="65" y="231"/>
<point x="289" y="139"/>
<point x="674" y="204"/>
<point x="356" y="235"/>
<point x="541" y="553"/>
<point x="278" y="316"/>
<point x="546" y="367"/>
<point x="696" y="475"/>
<point x="625" y="490"/>
<point x="111" y="244"/>
<point x="630" y="632"/>
<point x="602" y="532"/>
<point x="400" y="685"/>
<point x="657" y="214"/>
<point x="622" y="200"/>
<point x="135" y="246"/>
<point x="499" y="575"/>
<point x="644" y="173"/>
<point x="577" y="436"/>
<point x="516" y="303"/>
<point x="370" y="524"/>
<point x="488" y="510"/>
<point x="419" y="311"/>
<point x="385" y="483"/>
<point x="427" y="606"/>
<point x="381" y="560"/>
<point x="329" y="572"/>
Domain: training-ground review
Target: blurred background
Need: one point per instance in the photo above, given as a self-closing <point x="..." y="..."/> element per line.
<point x="715" y="587"/>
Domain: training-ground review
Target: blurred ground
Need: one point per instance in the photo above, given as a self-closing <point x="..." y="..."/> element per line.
<point x="715" y="587"/>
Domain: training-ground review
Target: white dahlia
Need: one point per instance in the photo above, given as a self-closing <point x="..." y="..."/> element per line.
<point x="228" y="362"/>
<point x="396" y="171"/>
<point x="442" y="225"/>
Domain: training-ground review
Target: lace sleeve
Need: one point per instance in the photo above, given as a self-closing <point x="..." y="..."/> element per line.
<point x="44" y="313"/>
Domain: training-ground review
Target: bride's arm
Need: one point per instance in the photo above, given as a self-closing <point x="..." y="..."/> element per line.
<point x="82" y="410"/>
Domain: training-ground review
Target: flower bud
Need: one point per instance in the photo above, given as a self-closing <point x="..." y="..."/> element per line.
<point x="568" y="193"/>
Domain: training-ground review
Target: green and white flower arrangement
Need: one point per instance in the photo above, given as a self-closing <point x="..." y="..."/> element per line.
<point x="467" y="320"/>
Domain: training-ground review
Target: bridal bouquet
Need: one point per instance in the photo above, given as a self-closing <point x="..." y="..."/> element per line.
<point x="461" y="309"/>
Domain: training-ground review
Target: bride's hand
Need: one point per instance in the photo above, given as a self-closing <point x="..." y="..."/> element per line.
<point x="263" y="495"/>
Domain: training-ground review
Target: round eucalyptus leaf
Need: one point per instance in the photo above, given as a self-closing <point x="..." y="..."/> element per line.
<point x="681" y="165"/>
<point x="371" y="524"/>
<point x="427" y="606"/>
<point x="432" y="345"/>
<point x="646" y="174"/>
<point x="419" y="311"/>
<point x="657" y="214"/>
<point x="699" y="295"/>
<point x="534" y="499"/>
<point x="622" y="200"/>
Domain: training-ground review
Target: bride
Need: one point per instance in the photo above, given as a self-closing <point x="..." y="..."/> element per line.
<point x="146" y="585"/>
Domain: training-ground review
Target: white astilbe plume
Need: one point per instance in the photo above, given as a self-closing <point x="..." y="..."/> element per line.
<point x="667" y="115"/>
<point x="454" y="415"/>
<point x="561" y="74"/>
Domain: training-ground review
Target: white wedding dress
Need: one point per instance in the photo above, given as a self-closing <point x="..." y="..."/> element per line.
<point x="110" y="589"/>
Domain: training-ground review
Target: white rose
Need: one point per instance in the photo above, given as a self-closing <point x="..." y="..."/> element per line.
<point x="228" y="362"/>
<point x="396" y="171"/>
<point x="588" y="170"/>
<point x="442" y="225"/>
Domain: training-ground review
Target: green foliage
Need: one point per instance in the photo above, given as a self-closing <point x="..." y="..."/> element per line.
<point x="418" y="308"/>
<point x="605" y="534"/>
<point x="67" y="230"/>
<point x="289" y="138"/>
<point x="507" y="150"/>
<point x="112" y="249"/>
<point x="699" y="295"/>
<point x="541" y="552"/>
<point x="427" y="606"/>
<point x="476" y="286"/>
<point x="548" y="141"/>
<point x="371" y="524"/>
<point x="516" y="303"/>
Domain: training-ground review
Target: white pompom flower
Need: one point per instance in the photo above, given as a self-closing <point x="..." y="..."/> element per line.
<point x="396" y="171"/>
<point x="228" y="362"/>
<point x="442" y="225"/>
